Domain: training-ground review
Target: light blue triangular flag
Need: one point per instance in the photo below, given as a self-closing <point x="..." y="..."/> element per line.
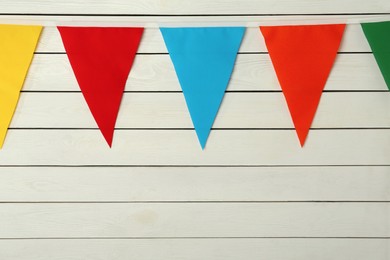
<point x="203" y="58"/>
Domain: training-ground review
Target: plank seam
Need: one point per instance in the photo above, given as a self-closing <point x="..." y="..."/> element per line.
<point x="189" y="166"/>
<point x="195" y="15"/>
<point x="191" y="129"/>
<point x="239" y="53"/>
<point x="227" y="91"/>
<point x="202" y="202"/>
<point x="169" y="238"/>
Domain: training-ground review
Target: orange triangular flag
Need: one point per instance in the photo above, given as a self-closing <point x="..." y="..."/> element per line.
<point x="17" y="45"/>
<point x="303" y="57"/>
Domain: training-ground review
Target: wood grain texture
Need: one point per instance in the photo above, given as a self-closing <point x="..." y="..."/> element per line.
<point x="207" y="249"/>
<point x="168" y="110"/>
<point x="143" y="184"/>
<point x="252" y="72"/>
<point x="194" y="220"/>
<point x="181" y="147"/>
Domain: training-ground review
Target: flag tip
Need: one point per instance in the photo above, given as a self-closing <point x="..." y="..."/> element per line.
<point x="202" y="140"/>
<point x="302" y="140"/>
<point x="108" y="140"/>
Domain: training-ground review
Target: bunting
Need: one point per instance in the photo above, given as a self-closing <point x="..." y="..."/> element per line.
<point x="101" y="58"/>
<point x="203" y="58"/>
<point x="17" y="46"/>
<point x="302" y="57"/>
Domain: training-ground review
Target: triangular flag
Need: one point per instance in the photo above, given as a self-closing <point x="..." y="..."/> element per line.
<point x="101" y="58"/>
<point x="303" y="57"/>
<point x="17" y="46"/>
<point x="378" y="36"/>
<point x="203" y="58"/>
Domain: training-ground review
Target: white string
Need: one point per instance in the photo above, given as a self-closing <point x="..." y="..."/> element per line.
<point x="189" y="21"/>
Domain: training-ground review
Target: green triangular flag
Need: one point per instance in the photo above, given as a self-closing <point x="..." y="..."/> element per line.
<point x="378" y="36"/>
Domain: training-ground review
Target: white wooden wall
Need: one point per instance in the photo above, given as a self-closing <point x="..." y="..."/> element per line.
<point x="252" y="194"/>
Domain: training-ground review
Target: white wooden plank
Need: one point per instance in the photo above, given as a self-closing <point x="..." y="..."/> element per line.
<point x="194" y="220"/>
<point x="168" y="110"/>
<point x="194" y="7"/>
<point x="181" y="147"/>
<point x="252" y="72"/>
<point x="152" y="41"/>
<point x="18" y="184"/>
<point x="207" y="249"/>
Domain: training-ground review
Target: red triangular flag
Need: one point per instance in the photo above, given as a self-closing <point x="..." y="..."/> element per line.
<point x="101" y="58"/>
<point x="303" y="57"/>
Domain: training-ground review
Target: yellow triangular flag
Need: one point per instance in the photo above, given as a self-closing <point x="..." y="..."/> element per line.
<point x="17" y="45"/>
